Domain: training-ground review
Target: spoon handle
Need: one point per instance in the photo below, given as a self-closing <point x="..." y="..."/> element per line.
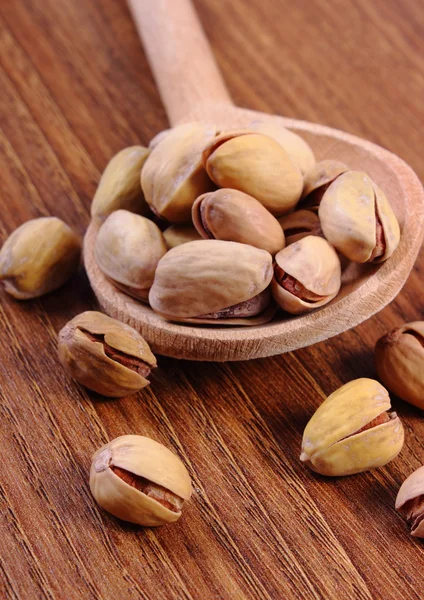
<point x="179" y="54"/>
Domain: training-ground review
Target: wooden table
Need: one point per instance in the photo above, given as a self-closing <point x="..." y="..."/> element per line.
<point x="76" y="88"/>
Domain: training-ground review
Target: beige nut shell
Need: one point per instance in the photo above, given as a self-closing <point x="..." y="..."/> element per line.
<point x="175" y="235"/>
<point x="38" y="257"/>
<point x="173" y="175"/>
<point x="321" y="174"/>
<point x="299" y="151"/>
<point x="399" y="360"/>
<point x="314" y="263"/>
<point x="412" y="489"/>
<point x="206" y="276"/>
<point x="87" y="362"/>
<point x="348" y="217"/>
<point x="119" y="186"/>
<point x="300" y="224"/>
<point x="257" y="165"/>
<point x="146" y="458"/>
<point x="127" y="250"/>
<point x="331" y="444"/>
<point x="235" y="216"/>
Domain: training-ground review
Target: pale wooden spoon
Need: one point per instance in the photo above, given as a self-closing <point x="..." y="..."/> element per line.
<point x="192" y="89"/>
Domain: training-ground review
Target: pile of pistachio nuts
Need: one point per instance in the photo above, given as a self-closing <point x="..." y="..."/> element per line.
<point x="219" y="228"/>
<point x="222" y="227"/>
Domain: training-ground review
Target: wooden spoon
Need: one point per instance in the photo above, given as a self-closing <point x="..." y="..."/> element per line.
<point x="192" y="89"/>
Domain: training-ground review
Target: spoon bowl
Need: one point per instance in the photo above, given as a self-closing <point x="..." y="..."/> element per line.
<point x="366" y="289"/>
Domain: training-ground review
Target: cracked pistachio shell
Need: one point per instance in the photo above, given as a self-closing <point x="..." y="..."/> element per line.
<point x="399" y="360"/>
<point x="300" y="224"/>
<point x="205" y="277"/>
<point x="320" y="176"/>
<point x="173" y="175"/>
<point x="237" y="217"/>
<point x="410" y="501"/>
<point x="175" y="235"/>
<point x="313" y="263"/>
<point x="332" y="441"/>
<point x="105" y="355"/>
<point x="299" y="151"/>
<point x="257" y="165"/>
<point x="128" y="249"/>
<point x="156" y="482"/>
<point x="120" y="186"/>
<point x="348" y="213"/>
<point x="38" y="257"/>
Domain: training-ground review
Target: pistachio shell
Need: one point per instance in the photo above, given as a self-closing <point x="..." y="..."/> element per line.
<point x="105" y="355"/>
<point x="299" y="151"/>
<point x="128" y="249"/>
<point x="410" y="501"/>
<point x="173" y="175"/>
<point x="158" y="138"/>
<point x="313" y="264"/>
<point x="146" y="462"/>
<point x="257" y="165"/>
<point x="300" y="224"/>
<point x="234" y="216"/>
<point x="119" y="186"/>
<point x="399" y="360"/>
<point x="38" y="257"/>
<point x="342" y="439"/>
<point x="321" y="175"/>
<point x="180" y="234"/>
<point x="389" y="223"/>
<point x="205" y="277"/>
<point x="348" y="213"/>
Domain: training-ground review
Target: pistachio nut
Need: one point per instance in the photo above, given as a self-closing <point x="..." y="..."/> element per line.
<point x="215" y="282"/>
<point x="237" y="217"/>
<point x="352" y="431"/>
<point x="120" y="186"/>
<point x="105" y="355"/>
<point x="173" y="175"/>
<point x="158" y="138"/>
<point x="127" y="250"/>
<point x="257" y="165"/>
<point x="38" y="257"/>
<point x="399" y="360"/>
<point x="410" y="502"/>
<point x="300" y="224"/>
<point x="317" y="180"/>
<point x="139" y="480"/>
<point x="358" y="220"/>
<point x="307" y="275"/>
<point x="299" y="151"/>
<point x="180" y="234"/>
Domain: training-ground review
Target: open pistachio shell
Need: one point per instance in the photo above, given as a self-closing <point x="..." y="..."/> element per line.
<point x="317" y="180"/>
<point x="257" y="165"/>
<point x="235" y="216"/>
<point x="299" y="151"/>
<point x="173" y="175"/>
<point x="410" y="502"/>
<point x="351" y="431"/>
<point x="139" y="480"/>
<point x="119" y="186"/>
<point x="128" y="249"/>
<point x="105" y="355"/>
<point x="399" y="360"/>
<point x="38" y="257"/>
<point x="213" y="281"/>
<point x="307" y="275"/>
<point x="358" y="220"/>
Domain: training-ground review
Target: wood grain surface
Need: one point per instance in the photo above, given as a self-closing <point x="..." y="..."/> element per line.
<point x="76" y="88"/>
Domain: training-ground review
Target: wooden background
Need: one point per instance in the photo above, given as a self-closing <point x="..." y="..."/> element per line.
<point x="74" y="89"/>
